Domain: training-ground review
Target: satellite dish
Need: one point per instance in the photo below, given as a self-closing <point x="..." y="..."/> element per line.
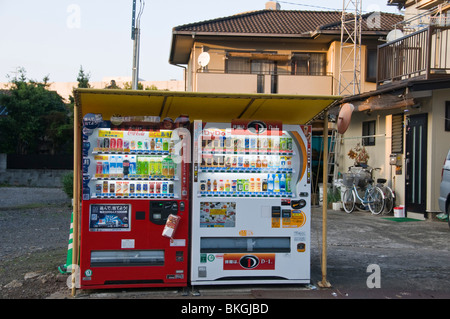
<point x="394" y="35"/>
<point x="344" y="117"/>
<point x="203" y="59"/>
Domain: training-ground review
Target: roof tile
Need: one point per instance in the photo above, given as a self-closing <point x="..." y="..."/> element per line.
<point x="285" y="22"/>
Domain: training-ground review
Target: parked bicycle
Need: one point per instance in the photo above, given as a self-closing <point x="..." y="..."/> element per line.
<point x="359" y="181"/>
<point x="389" y="195"/>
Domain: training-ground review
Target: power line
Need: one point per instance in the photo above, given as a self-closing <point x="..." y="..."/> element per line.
<point x="313" y="6"/>
<point x="308" y="5"/>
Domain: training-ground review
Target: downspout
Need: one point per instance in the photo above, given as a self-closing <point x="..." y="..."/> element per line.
<point x="184" y="76"/>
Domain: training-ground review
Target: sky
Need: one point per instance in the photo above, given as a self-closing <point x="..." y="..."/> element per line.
<point x="57" y="37"/>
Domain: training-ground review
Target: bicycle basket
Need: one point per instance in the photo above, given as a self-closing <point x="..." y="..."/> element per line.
<point x="348" y="179"/>
<point x="362" y="179"/>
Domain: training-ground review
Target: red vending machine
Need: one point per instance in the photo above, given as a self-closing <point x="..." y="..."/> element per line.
<point x="135" y="207"/>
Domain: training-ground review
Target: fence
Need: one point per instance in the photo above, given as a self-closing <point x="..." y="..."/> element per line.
<point x="422" y="54"/>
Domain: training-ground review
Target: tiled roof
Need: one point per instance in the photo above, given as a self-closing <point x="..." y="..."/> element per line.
<point x="286" y="22"/>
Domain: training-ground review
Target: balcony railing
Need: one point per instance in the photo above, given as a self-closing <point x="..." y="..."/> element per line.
<point x="424" y="54"/>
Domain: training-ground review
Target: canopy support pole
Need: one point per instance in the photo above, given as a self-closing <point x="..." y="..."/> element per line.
<point x="324" y="283"/>
<point x="76" y="194"/>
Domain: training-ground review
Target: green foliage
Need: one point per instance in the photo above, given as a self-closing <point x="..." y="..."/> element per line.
<point x="37" y="118"/>
<point x="83" y="78"/>
<point x="333" y="195"/>
<point x="67" y="181"/>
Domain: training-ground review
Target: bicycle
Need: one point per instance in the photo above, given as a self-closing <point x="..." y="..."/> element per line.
<point x="373" y="195"/>
<point x="389" y="195"/>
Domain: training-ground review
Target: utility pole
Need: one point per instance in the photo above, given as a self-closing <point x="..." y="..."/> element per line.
<point x="135" y="36"/>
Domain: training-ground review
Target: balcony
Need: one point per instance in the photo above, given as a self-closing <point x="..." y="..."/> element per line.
<point x="423" y="54"/>
<point x="264" y="83"/>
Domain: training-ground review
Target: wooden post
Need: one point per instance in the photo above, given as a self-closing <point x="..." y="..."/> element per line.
<point x="324" y="283"/>
<point x="76" y="192"/>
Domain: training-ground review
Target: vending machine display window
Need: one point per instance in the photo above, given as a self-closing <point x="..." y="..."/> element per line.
<point x="135" y="204"/>
<point x="251" y="210"/>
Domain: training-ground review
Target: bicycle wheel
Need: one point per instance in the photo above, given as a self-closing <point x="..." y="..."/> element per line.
<point x="389" y="199"/>
<point x="348" y="201"/>
<point x="375" y="200"/>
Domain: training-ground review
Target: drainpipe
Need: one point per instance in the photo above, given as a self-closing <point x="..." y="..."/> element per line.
<point x="184" y="76"/>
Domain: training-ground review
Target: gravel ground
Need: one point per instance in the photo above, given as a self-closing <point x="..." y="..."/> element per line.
<point x="34" y="234"/>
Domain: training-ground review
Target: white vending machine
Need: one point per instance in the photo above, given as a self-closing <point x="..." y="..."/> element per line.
<point x="251" y="207"/>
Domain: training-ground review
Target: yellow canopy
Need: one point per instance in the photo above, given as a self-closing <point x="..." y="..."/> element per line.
<point x="208" y="107"/>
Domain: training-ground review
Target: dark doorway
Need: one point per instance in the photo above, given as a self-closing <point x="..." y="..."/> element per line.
<point x="416" y="163"/>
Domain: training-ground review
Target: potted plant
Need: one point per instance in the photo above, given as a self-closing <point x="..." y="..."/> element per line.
<point x="334" y="198"/>
<point x="359" y="154"/>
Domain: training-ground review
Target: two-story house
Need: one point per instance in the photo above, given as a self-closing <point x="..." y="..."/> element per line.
<point x="274" y="51"/>
<point x="404" y="123"/>
<point x="277" y="51"/>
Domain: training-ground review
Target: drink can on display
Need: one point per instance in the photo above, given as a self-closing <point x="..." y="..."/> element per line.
<point x="133" y="164"/>
<point x="99" y="168"/>
<point x="145" y="188"/>
<point x="126" y="144"/>
<point x="112" y="187"/>
<point x="164" y="187"/>
<point x="151" y="188"/>
<point x="283" y="162"/>
<point x="138" y="188"/>
<point x="253" y="143"/>
<point x="170" y="188"/>
<point x="100" y="142"/>
<point x="289" y="144"/>
<point x="157" y="187"/>
<point x="125" y="187"/>
<point x="119" y="143"/>
<point x="98" y="188"/>
<point x="113" y="143"/>
<point x="105" y="167"/>
<point x="105" y="187"/>
<point x="282" y="143"/>
<point x="288" y="161"/>
<point x="106" y="142"/>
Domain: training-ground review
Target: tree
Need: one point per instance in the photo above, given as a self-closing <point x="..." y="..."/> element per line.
<point x="83" y="78"/>
<point x="37" y="118"/>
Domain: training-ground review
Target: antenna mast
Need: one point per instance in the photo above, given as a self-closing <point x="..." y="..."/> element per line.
<point x="135" y="36"/>
<point x="350" y="57"/>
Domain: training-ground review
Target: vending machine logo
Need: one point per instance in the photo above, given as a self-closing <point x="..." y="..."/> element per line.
<point x="257" y="127"/>
<point x="245" y="127"/>
<point x="248" y="262"/>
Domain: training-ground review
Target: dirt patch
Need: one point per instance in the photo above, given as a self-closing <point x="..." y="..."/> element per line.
<point x="33" y="275"/>
<point x="34" y="235"/>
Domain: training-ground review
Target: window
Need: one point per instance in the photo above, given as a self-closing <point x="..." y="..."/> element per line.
<point x="238" y="65"/>
<point x="397" y="134"/>
<point x="308" y="64"/>
<point x="371" y="65"/>
<point x="368" y="129"/>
